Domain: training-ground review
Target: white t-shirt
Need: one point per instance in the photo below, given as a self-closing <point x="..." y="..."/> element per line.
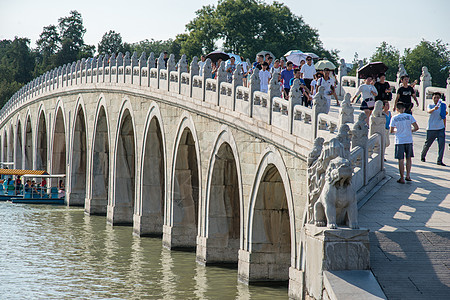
<point x="403" y="123"/>
<point x="200" y="65"/>
<point x="308" y="71"/>
<point x="327" y="84"/>
<point x="273" y="69"/>
<point x="365" y="90"/>
<point x="313" y="86"/>
<point x="264" y="77"/>
<point x="435" y="122"/>
<point x="244" y="67"/>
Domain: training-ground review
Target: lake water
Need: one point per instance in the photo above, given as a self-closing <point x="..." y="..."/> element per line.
<point x="58" y="252"/>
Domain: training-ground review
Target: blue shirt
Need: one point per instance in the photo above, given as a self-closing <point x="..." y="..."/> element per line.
<point x="286" y="76"/>
<point x="435" y="122"/>
<point x="291" y="82"/>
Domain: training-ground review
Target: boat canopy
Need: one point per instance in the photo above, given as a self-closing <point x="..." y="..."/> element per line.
<point x="22" y="172"/>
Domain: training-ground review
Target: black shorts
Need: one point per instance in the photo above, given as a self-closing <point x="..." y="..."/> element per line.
<point x="365" y="106"/>
<point x="287" y="90"/>
<point x="402" y="150"/>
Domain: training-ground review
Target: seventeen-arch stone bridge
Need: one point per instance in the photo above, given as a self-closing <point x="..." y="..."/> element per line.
<point x="207" y="164"/>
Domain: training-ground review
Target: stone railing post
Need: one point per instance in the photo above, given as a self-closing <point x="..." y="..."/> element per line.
<point x="182" y="68"/>
<point x="142" y="65"/>
<point x="206" y="73"/>
<point x="425" y="81"/>
<point x="194" y="69"/>
<point x="346" y="111"/>
<point x="320" y="106"/>
<point x="134" y="63"/>
<point x="86" y="68"/>
<point x="360" y="138"/>
<point x="378" y="125"/>
<point x="150" y="64"/>
<point x="119" y="63"/>
<point x="105" y="66"/>
<point x="447" y="94"/>
<point x="274" y="91"/>
<point x="98" y="66"/>
<point x="77" y="68"/>
<point x="126" y="62"/>
<point x="342" y="73"/>
<point x="237" y="81"/>
<point x="295" y="98"/>
<point x="171" y="66"/>
<point x="221" y="77"/>
<point x="160" y="65"/>
<point x="401" y="71"/>
<point x="254" y="85"/>
<point x="112" y="63"/>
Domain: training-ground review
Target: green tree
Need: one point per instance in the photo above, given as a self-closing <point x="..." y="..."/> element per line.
<point x="71" y="32"/>
<point x="390" y="56"/>
<point x="147" y="46"/>
<point x="49" y="41"/>
<point x="355" y="64"/>
<point x="434" y="55"/>
<point x="111" y="43"/>
<point x="249" y="26"/>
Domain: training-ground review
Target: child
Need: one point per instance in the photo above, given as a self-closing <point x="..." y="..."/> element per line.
<point x="264" y="77"/>
<point x="387" y="113"/>
<point x="403" y="140"/>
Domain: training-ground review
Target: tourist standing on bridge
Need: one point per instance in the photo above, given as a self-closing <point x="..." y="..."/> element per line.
<point x="383" y="88"/>
<point x="436" y="127"/>
<point x="328" y="83"/>
<point x="404" y="94"/>
<point x="368" y="92"/>
<point x="264" y="77"/>
<point x="307" y="72"/>
<point x="231" y="67"/>
<point x="286" y="75"/>
<point x="401" y="125"/>
<point x="259" y="62"/>
<point x="201" y="64"/>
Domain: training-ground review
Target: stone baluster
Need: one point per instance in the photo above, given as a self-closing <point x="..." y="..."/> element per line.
<point x="86" y="68"/>
<point x="82" y="68"/>
<point x="447" y="94"/>
<point x="221" y="77"/>
<point x="99" y="66"/>
<point x="358" y="81"/>
<point x="237" y="81"/>
<point x="295" y="98"/>
<point x="254" y="85"/>
<point x="58" y="75"/>
<point x="425" y="81"/>
<point x="346" y="111"/>
<point x="401" y="71"/>
<point x="73" y="74"/>
<point x="93" y="68"/>
<point x="342" y="72"/>
<point x="378" y="125"/>
<point x="193" y="71"/>
<point x="68" y="76"/>
<point x="206" y="73"/>
<point x="160" y="65"/>
<point x="150" y="64"/>
<point x="320" y="106"/>
<point x="126" y="62"/>
<point x="112" y="63"/>
<point x="142" y="64"/>
<point x="119" y="63"/>
<point x="171" y="66"/>
<point x="360" y="139"/>
<point x="274" y="91"/>
<point x="77" y="69"/>
<point x="134" y="63"/>
<point x="182" y="68"/>
<point x="105" y="64"/>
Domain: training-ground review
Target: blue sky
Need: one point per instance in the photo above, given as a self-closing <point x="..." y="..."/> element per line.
<point x="349" y="26"/>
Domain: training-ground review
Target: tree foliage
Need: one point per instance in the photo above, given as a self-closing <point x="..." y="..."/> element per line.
<point x="390" y="56"/>
<point x="249" y="26"/>
<point x="111" y="43"/>
<point x="434" y="55"/>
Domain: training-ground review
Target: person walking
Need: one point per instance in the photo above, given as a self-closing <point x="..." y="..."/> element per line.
<point x="401" y="125"/>
<point x="383" y="88"/>
<point x="368" y="92"/>
<point x="404" y="94"/>
<point x="286" y="76"/>
<point x="328" y="83"/>
<point x="307" y="72"/>
<point x="436" y="128"/>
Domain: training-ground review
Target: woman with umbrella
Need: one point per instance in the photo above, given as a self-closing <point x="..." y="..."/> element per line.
<point x="383" y="88"/>
<point x="368" y="92"/>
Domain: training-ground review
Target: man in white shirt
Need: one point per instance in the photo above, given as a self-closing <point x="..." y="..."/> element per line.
<point x="328" y="83"/>
<point x="436" y="128"/>
<point x="307" y="72"/>
<point x="403" y="140"/>
<point x="201" y="64"/>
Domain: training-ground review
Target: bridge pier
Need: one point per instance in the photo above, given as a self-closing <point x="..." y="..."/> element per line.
<point x="76" y="198"/>
<point x="180" y="236"/>
<point x="148" y="224"/>
<point x="119" y="214"/>
<point x="94" y="206"/>
<point x="258" y="267"/>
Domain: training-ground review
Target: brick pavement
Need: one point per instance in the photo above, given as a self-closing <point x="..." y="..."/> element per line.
<point x="410" y="226"/>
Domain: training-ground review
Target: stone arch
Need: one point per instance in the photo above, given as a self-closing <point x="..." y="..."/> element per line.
<point x="78" y="156"/>
<point x="41" y="155"/>
<point x="185" y="185"/>
<point x="99" y="179"/>
<point x="11" y="144"/>
<point x="150" y="210"/>
<point x="271" y="239"/>
<point x="58" y="148"/>
<point x="28" y="143"/>
<point x="124" y="168"/>
<point x="18" y="149"/>
<point x="223" y="203"/>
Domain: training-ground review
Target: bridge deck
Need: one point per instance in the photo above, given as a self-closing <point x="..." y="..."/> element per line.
<point x="410" y="226"/>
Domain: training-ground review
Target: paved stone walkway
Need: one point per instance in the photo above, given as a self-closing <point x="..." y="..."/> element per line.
<point x="410" y="225"/>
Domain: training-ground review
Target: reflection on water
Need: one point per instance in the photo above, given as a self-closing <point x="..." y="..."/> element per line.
<point x="60" y="253"/>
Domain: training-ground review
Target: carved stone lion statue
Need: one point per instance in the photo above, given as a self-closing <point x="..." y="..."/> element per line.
<point x="337" y="201"/>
